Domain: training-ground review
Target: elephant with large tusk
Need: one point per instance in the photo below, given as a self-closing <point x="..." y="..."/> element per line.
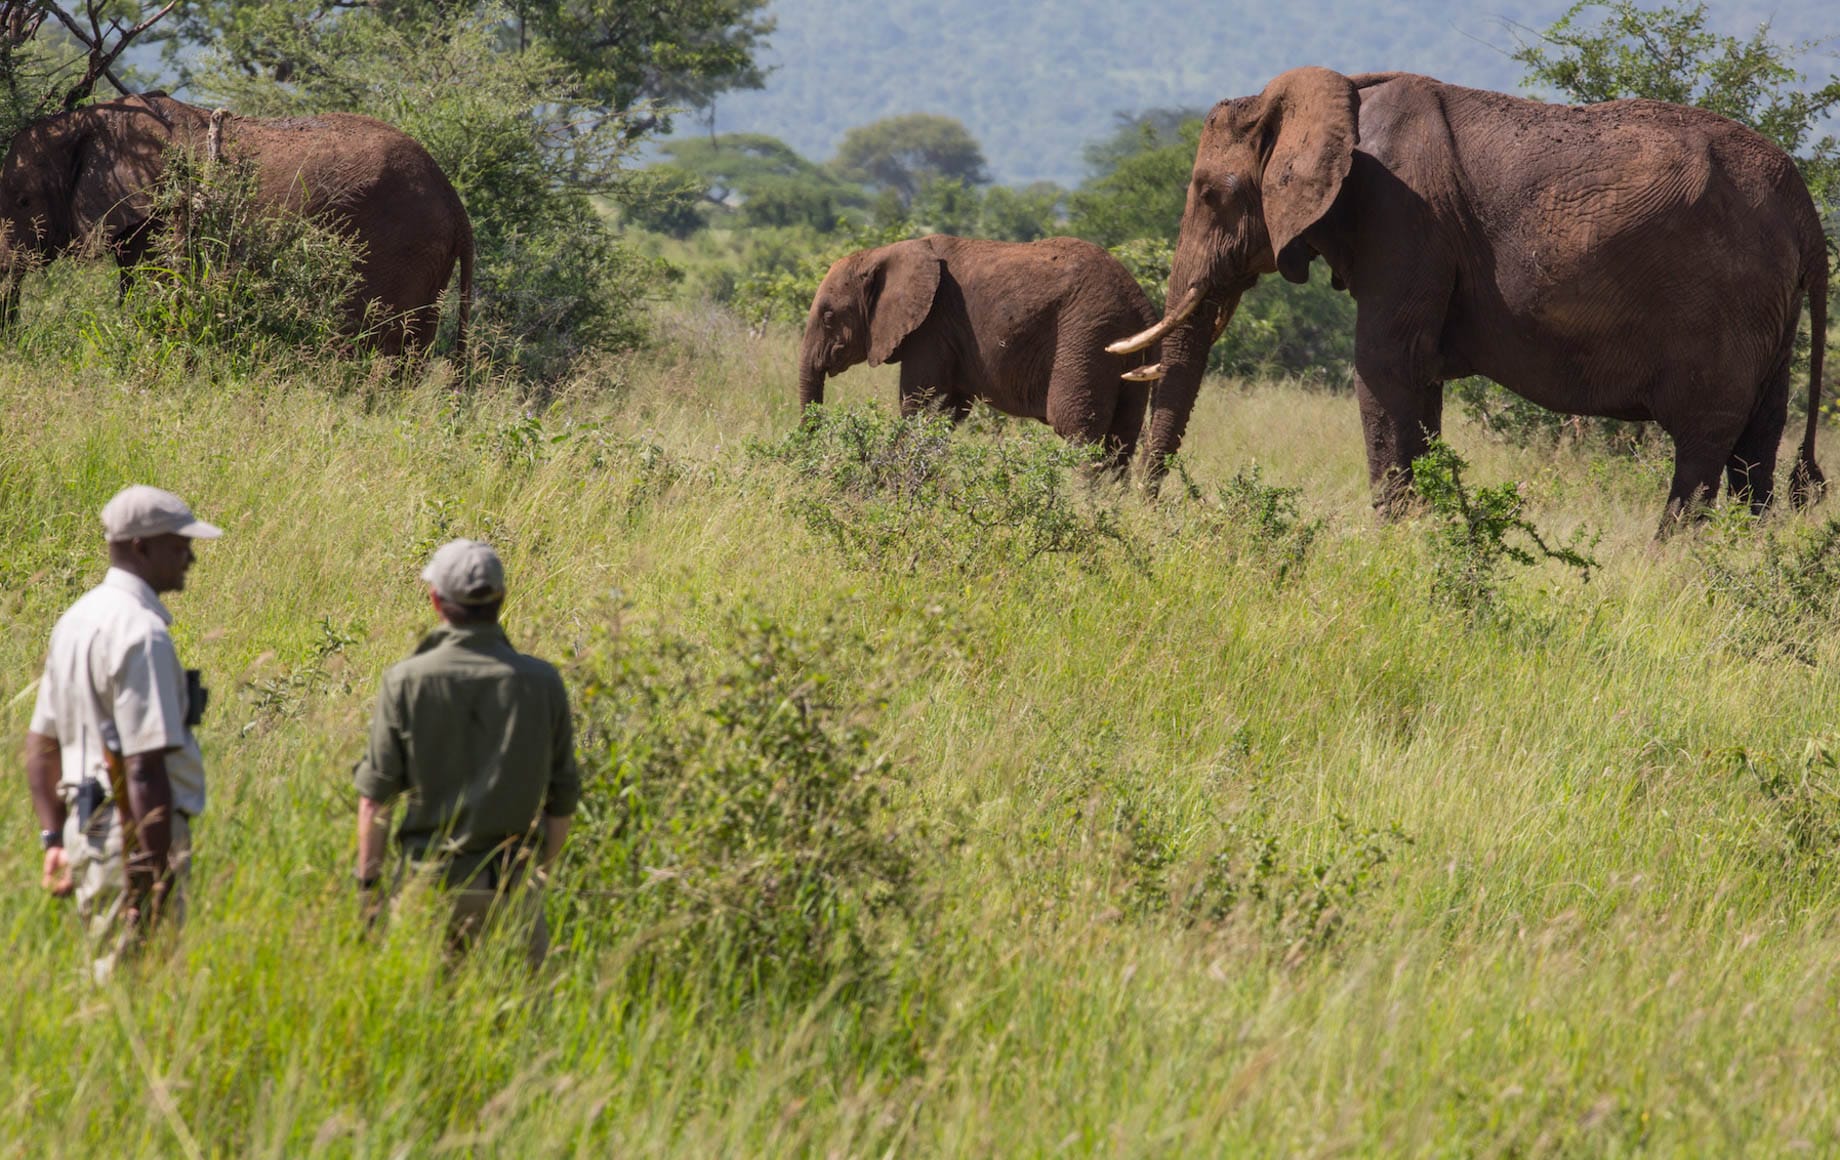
<point x="1635" y="260"/>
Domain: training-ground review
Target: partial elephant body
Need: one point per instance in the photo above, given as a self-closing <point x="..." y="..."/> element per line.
<point x="89" y="173"/>
<point x="1019" y="326"/>
<point x="1635" y="260"/>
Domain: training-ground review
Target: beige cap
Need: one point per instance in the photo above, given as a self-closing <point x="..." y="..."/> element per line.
<point x="141" y="512"/>
<point x="466" y="572"/>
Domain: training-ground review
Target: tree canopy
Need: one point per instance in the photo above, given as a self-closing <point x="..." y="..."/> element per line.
<point x="905" y="153"/>
<point x="1668" y="54"/>
<point x="636" y="62"/>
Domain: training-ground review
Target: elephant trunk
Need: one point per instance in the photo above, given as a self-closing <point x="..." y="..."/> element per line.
<point x="811" y="386"/>
<point x="811" y="365"/>
<point x="1185" y="351"/>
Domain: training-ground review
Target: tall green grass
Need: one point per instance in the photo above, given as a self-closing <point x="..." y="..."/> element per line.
<point x="1564" y="874"/>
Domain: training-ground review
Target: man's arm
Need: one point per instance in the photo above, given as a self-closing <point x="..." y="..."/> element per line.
<point x="43" y="772"/>
<point x="373" y="837"/>
<point x="151" y="806"/>
<point x="564" y="791"/>
<point x="555" y="832"/>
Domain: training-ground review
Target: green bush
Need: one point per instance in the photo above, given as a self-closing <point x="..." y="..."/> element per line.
<point x="1301" y="904"/>
<point x="781" y="281"/>
<point x="1470" y="534"/>
<point x="1783" y="586"/>
<point x="892" y="492"/>
<point x="1797" y="825"/>
<point x="553" y="278"/>
<point x="1265" y="522"/>
<point x="1249" y="879"/>
<point x="232" y="283"/>
<point x="736" y="810"/>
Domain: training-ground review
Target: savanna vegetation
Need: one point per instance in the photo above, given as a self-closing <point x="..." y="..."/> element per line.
<point x="940" y="798"/>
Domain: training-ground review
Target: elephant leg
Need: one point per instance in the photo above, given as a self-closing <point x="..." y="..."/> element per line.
<point x="1127" y="425"/>
<point x="1750" y="472"/>
<point x="1697" y="465"/>
<point x="927" y="385"/>
<point x="1397" y="425"/>
<point x="1081" y="412"/>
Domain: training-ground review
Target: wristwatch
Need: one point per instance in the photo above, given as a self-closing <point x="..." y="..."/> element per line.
<point x="51" y="839"/>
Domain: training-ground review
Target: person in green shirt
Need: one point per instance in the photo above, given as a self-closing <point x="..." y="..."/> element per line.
<point x="477" y="737"/>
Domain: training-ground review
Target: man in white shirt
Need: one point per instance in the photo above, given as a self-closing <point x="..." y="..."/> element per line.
<point x="114" y="719"/>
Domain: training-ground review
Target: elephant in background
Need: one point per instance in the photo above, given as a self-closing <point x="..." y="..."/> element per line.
<point x="1019" y="325"/>
<point x="1634" y="259"/>
<point x="87" y="174"/>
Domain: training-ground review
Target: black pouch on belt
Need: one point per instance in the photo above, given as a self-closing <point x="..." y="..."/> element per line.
<point x="90" y="796"/>
<point x="197" y="696"/>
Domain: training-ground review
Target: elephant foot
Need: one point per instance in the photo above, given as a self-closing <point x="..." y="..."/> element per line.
<point x="1807" y="484"/>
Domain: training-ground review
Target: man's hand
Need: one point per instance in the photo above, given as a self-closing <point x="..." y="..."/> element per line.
<point x="58" y="879"/>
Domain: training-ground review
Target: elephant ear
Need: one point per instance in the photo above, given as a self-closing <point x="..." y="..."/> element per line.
<point x="902" y="282"/>
<point x="1312" y="126"/>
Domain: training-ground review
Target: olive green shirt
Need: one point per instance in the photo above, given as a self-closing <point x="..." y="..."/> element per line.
<point x="478" y="736"/>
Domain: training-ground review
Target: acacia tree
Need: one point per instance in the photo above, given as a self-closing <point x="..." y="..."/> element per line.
<point x="1668" y="54"/>
<point x="905" y="154"/>
<point x="772" y="184"/>
<point x="636" y="63"/>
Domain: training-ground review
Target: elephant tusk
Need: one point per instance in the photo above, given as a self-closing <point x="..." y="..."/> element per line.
<point x="1149" y="374"/>
<point x="1174" y="319"/>
<point x="1220" y="325"/>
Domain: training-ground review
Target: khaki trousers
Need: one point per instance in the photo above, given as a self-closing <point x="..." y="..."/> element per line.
<point x="102" y="881"/>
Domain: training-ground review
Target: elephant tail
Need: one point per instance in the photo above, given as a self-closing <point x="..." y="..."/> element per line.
<point x="1806" y="483"/>
<point x="466" y="283"/>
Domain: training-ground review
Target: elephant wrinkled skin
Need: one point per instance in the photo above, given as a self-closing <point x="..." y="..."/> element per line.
<point x="1019" y="325"/>
<point x="1634" y="259"/>
<point x="86" y="174"/>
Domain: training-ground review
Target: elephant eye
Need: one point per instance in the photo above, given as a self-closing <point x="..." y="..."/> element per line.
<point x="828" y="314"/>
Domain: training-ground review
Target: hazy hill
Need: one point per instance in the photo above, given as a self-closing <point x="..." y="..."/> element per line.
<point x="1037" y="81"/>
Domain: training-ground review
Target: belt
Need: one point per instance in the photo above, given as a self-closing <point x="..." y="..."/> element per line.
<point x="492" y="869"/>
<point x="68" y="793"/>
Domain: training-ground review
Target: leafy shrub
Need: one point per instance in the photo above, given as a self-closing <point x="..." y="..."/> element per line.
<point x="735" y="812"/>
<point x="553" y="279"/>
<point x="1470" y="534"/>
<point x="287" y="695"/>
<point x="1798" y="827"/>
<point x="1266" y="520"/>
<point x="1280" y="327"/>
<point x="1301" y="904"/>
<point x="1248" y="880"/>
<point x="779" y="287"/>
<point x="894" y="492"/>
<point x="235" y="276"/>
<point x="1785" y="587"/>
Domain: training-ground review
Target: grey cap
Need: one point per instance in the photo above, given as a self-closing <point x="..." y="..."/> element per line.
<point x="466" y="572"/>
<point x="141" y="512"/>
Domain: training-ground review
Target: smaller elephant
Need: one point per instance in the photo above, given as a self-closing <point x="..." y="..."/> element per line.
<point x="1011" y="323"/>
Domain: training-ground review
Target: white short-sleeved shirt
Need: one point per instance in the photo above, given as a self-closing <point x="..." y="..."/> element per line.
<point x="112" y="673"/>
